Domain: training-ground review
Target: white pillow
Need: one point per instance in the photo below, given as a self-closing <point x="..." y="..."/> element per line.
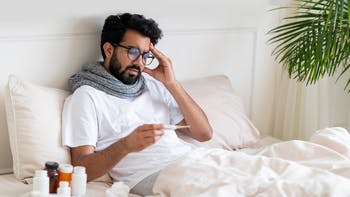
<point x="231" y="127"/>
<point x="34" y="121"/>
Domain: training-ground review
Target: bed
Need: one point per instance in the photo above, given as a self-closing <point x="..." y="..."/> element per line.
<point x="238" y="161"/>
<point x="11" y="186"/>
<point x="319" y="167"/>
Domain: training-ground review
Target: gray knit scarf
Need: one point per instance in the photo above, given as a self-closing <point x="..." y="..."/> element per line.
<point x="96" y="76"/>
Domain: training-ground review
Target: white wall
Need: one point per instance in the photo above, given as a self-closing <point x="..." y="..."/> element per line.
<point x="46" y="41"/>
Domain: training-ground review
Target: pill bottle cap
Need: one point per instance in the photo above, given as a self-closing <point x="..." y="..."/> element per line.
<point x="64" y="189"/>
<point x="79" y="170"/>
<point x="51" y="165"/>
<point x="40" y="173"/>
<point x="66" y="168"/>
<point x="64" y="184"/>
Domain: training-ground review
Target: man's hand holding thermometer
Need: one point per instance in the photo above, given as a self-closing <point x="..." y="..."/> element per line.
<point x="175" y="127"/>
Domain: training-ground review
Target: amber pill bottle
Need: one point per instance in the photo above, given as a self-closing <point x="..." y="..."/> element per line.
<point x="65" y="173"/>
<point x="52" y="173"/>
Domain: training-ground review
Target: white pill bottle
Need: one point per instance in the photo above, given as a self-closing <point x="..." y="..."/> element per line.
<point x="79" y="179"/>
<point x="41" y="182"/>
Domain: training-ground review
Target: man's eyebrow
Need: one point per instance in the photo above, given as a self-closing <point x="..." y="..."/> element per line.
<point x="140" y="49"/>
<point x="134" y="46"/>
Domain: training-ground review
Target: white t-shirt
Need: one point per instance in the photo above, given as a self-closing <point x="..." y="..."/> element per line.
<point x="92" y="117"/>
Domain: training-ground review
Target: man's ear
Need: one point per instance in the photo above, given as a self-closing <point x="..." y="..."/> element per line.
<point x="108" y="49"/>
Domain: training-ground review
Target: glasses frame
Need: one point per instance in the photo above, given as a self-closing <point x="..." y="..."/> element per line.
<point x="140" y="54"/>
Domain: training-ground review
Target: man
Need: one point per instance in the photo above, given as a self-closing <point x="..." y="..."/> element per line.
<point x="115" y="120"/>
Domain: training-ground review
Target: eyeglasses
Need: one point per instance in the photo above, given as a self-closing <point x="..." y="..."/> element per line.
<point x="134" y="53"/>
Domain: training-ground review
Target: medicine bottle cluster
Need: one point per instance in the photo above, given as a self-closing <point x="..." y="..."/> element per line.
<point x="64" y="179"/>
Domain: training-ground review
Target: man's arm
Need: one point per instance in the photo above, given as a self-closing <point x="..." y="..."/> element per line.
<point x="99" y="163"/>
<point x="193" y="115"/>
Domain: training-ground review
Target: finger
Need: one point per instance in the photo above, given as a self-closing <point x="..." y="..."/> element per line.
<point x="147" y="127"/>
<point x="153" y="133"/>
<point x="150" y="140"/>
<point x="156" y="138"/>
<point x="159" y="55"/>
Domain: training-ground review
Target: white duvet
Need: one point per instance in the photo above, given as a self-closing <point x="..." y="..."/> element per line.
<point x="319" y="167"/>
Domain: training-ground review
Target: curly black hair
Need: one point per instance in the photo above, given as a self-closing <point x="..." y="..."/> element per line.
<point x="115" y="27"/>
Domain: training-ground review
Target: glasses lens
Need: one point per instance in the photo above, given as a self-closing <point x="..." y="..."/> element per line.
<point x="147" y="58"/>
<point x="133" y="53"/>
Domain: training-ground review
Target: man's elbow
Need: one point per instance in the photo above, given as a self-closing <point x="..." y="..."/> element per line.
<point x="206" y="136"/>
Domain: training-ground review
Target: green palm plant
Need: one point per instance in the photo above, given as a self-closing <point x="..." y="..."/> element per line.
<point x="315" y="41"/>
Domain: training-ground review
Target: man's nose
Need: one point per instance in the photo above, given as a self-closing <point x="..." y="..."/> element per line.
<point x="138" y="61"/>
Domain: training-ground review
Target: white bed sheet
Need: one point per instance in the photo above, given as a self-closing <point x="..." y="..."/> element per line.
<point x="318" y="167"/>
<point x="263" y="142"/>
<point x="11" y="187"/>
<point x="271" y="167"/>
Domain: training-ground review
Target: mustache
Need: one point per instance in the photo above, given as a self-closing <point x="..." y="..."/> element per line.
<point x="133" y="67"/>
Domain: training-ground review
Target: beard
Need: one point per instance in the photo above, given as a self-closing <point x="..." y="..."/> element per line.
<point x="115" y="68"/>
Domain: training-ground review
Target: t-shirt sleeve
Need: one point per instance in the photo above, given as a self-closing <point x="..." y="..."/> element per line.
<point x="79" y="120"/>
<point x="175" y="112"/>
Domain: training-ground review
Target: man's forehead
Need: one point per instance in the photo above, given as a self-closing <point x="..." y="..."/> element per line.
<point x="135" y="39"/>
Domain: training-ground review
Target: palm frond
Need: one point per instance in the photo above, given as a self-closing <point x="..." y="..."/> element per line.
<point x="315" y="41"/>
